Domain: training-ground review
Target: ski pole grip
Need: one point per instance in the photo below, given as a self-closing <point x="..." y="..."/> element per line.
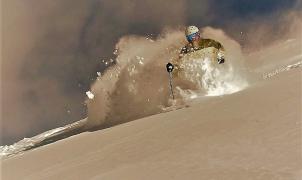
<point x="169" y="67"/>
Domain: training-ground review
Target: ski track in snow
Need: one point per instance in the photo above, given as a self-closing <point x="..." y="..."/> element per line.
<point x="282" y="69"/>
<point x="30" y="143"/>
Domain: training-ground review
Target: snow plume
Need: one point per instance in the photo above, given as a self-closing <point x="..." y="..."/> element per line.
<point x="137" y="85"/>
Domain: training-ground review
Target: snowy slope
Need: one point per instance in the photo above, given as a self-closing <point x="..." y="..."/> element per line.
<point x="253" y="134"/>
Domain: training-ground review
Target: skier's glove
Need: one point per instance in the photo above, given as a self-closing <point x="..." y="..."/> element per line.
<point x="220" y="60"/>
<point x="170" y="67"/>
<point x="220" y="57"/>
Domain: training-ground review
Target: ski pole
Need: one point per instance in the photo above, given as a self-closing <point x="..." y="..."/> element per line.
<point x="171" y="85"/>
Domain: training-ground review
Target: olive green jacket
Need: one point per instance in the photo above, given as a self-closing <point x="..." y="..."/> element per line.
<point x="203" y="43"/>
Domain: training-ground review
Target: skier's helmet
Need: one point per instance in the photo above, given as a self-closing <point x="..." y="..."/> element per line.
<point x="192" y="33"/>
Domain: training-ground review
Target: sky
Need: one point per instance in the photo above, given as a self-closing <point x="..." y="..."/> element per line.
<point x="52" y="49"/>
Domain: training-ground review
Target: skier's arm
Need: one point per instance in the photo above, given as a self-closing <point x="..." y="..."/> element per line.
<point x="220" y="53"/>
<point x="176" y="62"/>
<point x="183" y="51"/>
<point x="217" y="45"/>
<point x="220" y="46"/>
<point x="173" y="66"/>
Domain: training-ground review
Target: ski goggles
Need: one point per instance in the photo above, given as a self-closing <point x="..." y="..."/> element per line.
<point x="193" y="37"/>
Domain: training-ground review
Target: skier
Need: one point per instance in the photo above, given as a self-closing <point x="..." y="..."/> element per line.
<point x="196" y="43"/>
